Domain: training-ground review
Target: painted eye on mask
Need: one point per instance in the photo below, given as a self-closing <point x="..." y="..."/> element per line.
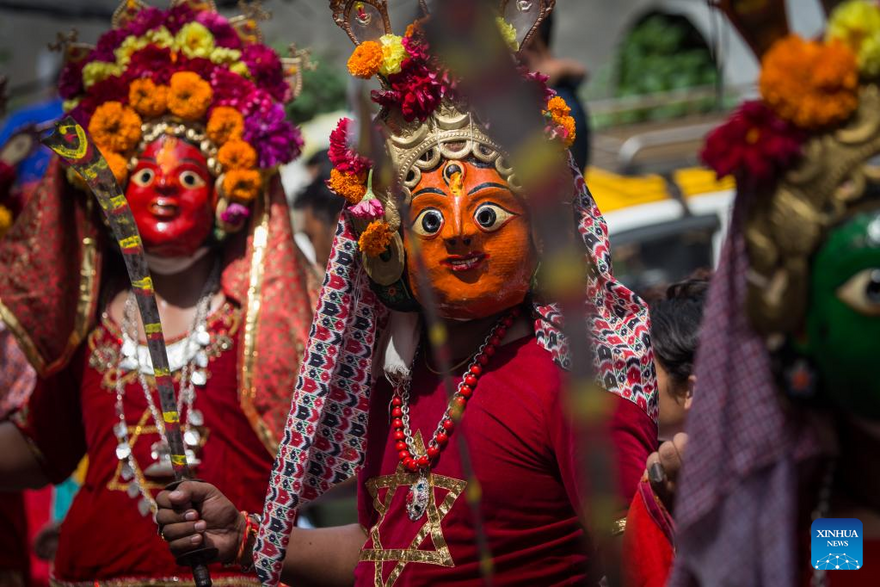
<point x="191" y="179"/>
<point x="862" y="292"/>
<point x="490" y="217"/>
<point x="428" y="222"/>
<point x="144" y="177"/>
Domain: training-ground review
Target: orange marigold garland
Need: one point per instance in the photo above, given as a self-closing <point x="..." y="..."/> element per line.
<point x="189" y="95"/>
<point x="226" y="124"/>
<point x="242" y="184"/>
<point x="366" y="60"/>
<point x="115" y="127"/>
<point x="237" y="154"/>
<point x="118" y="165"/>
<point x="375" y="238"/>
<point x="348" y="185"/>
<point x="562" y="123"/>
<point x="148" y="99"/>
<point x="808" y="83"/>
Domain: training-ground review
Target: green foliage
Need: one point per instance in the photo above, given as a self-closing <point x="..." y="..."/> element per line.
<point x="664" y="54"/>
<point x="323" y="91"/>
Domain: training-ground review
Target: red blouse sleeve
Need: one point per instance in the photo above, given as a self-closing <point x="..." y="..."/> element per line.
<point x="633" y="436"/>
<point x="52" y="422"/>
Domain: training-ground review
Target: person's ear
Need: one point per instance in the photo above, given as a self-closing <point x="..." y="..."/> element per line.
<point x="689" y="395"/>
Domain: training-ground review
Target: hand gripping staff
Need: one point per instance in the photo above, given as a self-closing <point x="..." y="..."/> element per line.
<point x="73" y="145"/>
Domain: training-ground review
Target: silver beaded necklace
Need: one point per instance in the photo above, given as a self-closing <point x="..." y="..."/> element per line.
<point x="193" y="374"/>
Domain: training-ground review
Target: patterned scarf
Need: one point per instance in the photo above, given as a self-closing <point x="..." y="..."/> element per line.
<point x="325" y="438"/>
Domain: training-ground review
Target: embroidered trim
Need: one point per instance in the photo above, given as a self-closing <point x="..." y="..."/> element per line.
<point x="229" y="581"/>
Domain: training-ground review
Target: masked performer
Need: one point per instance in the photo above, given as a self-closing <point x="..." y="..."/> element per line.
<point x="187" y="108"/>
<point x="785" y="430"/>
<point x="471" y="221"/>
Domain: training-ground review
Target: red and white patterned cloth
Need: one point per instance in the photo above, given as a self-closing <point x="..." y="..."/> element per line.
<point x="324" y="441"/>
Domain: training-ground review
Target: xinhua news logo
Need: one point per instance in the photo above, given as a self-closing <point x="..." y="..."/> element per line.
<point x="836" y="544"/>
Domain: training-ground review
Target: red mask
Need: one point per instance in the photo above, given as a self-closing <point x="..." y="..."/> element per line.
<point x="171" y="196"/>
<point x="475" y="240"/>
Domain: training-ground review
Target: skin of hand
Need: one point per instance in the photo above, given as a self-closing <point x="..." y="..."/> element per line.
<point x="196" y="514"/>
<point x="664" y="466"/>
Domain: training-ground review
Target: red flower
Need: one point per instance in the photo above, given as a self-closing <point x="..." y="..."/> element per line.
<point x="70" y="84"/>
<point x="754" y="145"/>
<point x="110" y="89"/>
<point x="416" y="90"/>
<point x="152" y="62"/>
<point x="230" y="89"/>
<point x="342" y="156"/>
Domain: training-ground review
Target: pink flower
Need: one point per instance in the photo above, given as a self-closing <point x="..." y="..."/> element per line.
<point x="368" y="209"/>
<point x="416" y="90"/>
<point x="754" y="145"/>
<point x="265" y="68"/>
<point x="275" y="139"/>
<point x="107" y="44"/>
<point x="146" y="20"/>
<point x="152" y="62"/>
<point x="540" y="80"/>
<point x="177" y="17"/>
<point x="224" y="34"/>
<point x="230" y="89"/>
<point x="343" y="157"/>
<point x="235" y="214"/>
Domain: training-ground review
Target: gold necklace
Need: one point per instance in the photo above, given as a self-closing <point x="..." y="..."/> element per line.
<point x="453" y="368"/>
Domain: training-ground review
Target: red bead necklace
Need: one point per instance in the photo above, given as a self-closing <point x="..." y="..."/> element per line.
<point x="405" y="445"/>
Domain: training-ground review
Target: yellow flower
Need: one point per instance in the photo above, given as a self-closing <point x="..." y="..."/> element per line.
<point x="393" y="54"/>
<point x="366" y="60"/>
<point x="189" y="96"/>
<point x="69" y="105"/>
<point x="224" y="55"/>
<point x="375" y="238"/>
<point x="237" y="154"/>
<point x="242" y="184"/>
<point x="348" y="185"/>
<point x="118" y="165"/>
<point x="507" y="32"/>
<point x="240" y="68"/>
<point x="225" y="124"/>
<point x="857" y="24"/>
<point x="147" y="98"/>
<point x="98" y="71"/>
<point x="115" y="127"/>
<point x="127" y="48"/>
<point x="194" y="40"/>
<point x="5" y="220"/>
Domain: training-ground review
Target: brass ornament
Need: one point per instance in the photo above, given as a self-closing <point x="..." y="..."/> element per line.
<point x="786" y="227"/>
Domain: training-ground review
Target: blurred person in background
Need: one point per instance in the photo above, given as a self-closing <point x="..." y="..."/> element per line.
<point x="317" y="212"/>
<point x="675" y="329"/>
<point x="565" y="77"/>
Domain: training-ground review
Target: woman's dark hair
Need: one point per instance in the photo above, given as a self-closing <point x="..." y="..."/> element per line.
<point x="675" y="326"/>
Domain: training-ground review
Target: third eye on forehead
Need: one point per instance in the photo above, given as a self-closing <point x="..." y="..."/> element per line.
<point x="473" y="191"/>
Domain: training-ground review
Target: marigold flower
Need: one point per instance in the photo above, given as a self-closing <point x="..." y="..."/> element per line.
<point x="558" y="106"/>
<point x="118" y="165"/>
<point x="189" y="95"/>
<point x="98" y="71"/>
<point x="115" y="127"/>
<point x="808" y="83"/>
<point x="857" y="24"/>
<point x="508" y="33"/>
<point x="348" y="185"/>
<point x="242" y="184"/>
<point x="147" y="98"/>
<point x="226" y="124"/>
<point x="569" y="129"/>
<point x="237" y="154"/>
<point x="375" y="238"/>
<point x="194" y="40"/>
<point x="5" y="220"/>
<point x="366" y="60"/>
<point x="393" y="54"/>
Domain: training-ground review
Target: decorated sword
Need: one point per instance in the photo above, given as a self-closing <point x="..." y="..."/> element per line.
<point x="71" y="142"/>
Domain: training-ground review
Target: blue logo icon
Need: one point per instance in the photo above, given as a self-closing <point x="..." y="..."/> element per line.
<point x="836" y="544"/>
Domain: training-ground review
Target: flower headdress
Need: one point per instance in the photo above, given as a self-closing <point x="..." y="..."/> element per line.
<point x="192" y="73"/>
<point x="424" y="120"/>
<point x="803" y="149"/>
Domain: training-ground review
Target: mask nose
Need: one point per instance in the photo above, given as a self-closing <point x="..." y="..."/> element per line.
<point x="459" y="235"/>
<point x="166" y="186"/>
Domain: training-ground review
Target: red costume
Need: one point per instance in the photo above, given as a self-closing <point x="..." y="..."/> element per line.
<point x="526" y="457"/>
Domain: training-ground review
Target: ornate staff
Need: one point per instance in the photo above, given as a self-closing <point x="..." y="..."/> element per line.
<point x="73" y="145"/>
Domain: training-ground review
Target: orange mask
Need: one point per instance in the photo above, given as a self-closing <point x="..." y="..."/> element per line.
<point x="475" y="240"/>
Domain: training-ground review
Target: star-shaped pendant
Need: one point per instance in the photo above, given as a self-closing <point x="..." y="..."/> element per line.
<point x="431" y="528"/>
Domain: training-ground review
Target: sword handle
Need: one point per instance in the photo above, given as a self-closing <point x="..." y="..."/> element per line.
<point x="197" y="560"/>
